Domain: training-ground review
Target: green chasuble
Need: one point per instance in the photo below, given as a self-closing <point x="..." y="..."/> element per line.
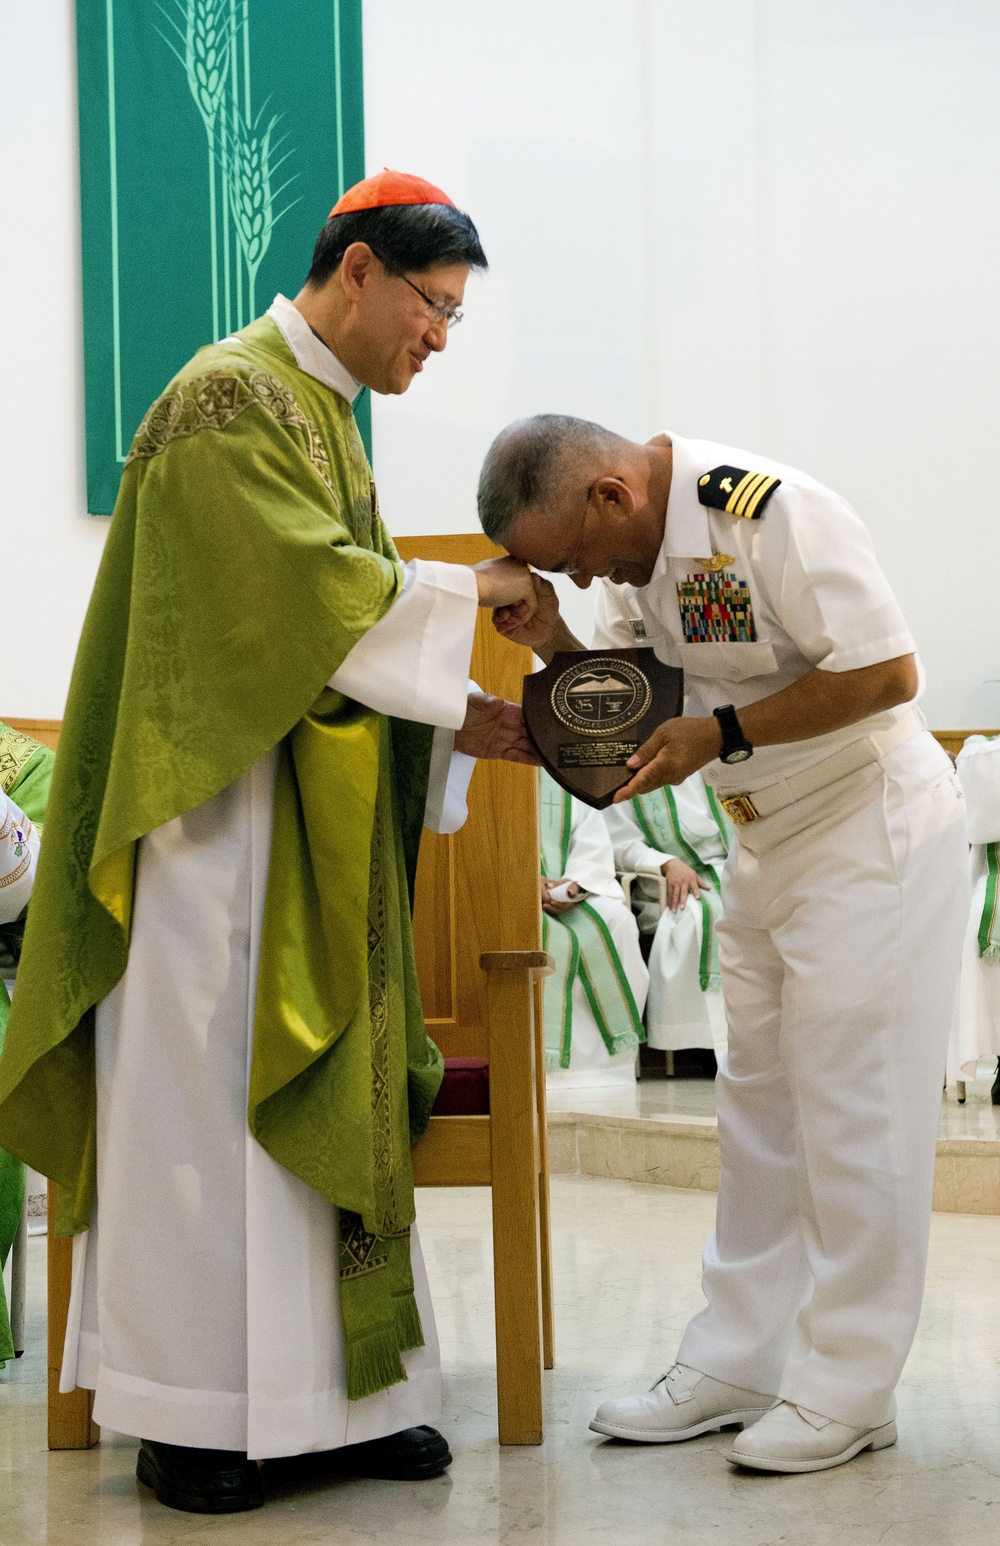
<point x="663" y="829"/>
<point x="245" y="559"/>
<point x="581" y="945"/>
<point x="25" y="775"/>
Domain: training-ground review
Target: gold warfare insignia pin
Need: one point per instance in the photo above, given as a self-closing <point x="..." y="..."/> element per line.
<point x="715" y="563"/>
<point x="737" y="491"/>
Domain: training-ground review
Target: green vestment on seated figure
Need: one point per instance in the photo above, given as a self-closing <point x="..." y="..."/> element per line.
<point x="25" y="775"/>
<point x="580" y="943"/>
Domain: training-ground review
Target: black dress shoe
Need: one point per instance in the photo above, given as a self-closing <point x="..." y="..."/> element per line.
<point x="408" y="1456"/>
<point x="413" y="1455"/>
<point x="200" y="1481"/>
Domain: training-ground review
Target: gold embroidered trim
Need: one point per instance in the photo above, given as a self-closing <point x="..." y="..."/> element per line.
<point x="385" y="1188"/>
<point x="359" y="1250"/>
<point x="16" y="751"/>
<point x="213" y="401"/>
<point x="15" y="875"/>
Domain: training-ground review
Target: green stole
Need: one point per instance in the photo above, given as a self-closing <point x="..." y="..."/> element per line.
<point x="989" y="929"/>
<point x="661" y="826"/>
<point x="25" y="775"/>
<point x="245" y="559"/>
<point x="989" y="921"/>
<point x="580" y="943"/>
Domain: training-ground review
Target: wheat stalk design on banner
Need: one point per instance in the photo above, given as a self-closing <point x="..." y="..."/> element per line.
<point x="202" y="32"/>
<point x="206" y="42"/>
<point x="252" y="199"/>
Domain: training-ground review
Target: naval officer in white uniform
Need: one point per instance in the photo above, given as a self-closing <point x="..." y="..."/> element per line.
<point x="845" y="899"/>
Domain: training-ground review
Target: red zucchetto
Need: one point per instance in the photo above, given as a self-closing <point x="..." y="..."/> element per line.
<point x="388" y="187"/>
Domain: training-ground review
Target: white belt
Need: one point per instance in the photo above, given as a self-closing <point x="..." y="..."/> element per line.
<point x="741" y="808"/>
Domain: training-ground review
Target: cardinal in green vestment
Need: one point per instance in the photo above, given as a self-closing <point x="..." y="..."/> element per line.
<point x="231" y="842"/>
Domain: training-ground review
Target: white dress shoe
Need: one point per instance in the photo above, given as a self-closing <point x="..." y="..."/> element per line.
<point x="791" y="1438"/>
<point x="682" y="1404"/>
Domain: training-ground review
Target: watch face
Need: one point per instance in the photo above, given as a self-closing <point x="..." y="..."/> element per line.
<point x="739" y="755"/>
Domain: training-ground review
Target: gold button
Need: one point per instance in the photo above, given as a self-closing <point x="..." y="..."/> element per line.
<point x="706" y="479"/>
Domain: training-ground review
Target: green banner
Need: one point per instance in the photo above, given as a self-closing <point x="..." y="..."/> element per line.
<point x="215" y="135"/>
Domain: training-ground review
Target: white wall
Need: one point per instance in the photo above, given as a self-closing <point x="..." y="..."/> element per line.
<point x="774" y="224"/>
<point x="49" y="546"/>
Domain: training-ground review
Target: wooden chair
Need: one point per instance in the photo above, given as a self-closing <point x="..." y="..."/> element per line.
<point x="477" y="932"/>
<point x="478" y="942"/>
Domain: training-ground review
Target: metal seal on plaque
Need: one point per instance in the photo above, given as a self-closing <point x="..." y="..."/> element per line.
<point x="589" y="710"/>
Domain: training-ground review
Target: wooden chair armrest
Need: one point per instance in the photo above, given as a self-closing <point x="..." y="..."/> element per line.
<point x="538" y="963"/>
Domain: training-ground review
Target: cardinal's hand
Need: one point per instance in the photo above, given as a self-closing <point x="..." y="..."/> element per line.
<point x="494" y="728"/>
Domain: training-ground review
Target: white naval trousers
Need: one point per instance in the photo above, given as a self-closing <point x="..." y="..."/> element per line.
<point x="591" y="1065"/>
<point x="840" y="946"/>
<point x="205" y="1301"/>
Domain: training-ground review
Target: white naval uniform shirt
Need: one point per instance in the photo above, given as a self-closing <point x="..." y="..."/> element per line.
<point x="812" y="589"/>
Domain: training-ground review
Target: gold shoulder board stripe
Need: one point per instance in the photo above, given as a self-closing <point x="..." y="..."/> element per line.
<point x="737" y="491"/>
<point x="756" y="497"/>
<point x="742" y="491"/>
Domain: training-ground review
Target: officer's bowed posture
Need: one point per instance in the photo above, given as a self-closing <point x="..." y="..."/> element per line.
<point x="844" y="901"/>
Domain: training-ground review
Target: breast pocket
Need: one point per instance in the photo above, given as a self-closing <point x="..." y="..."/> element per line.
<point x="727" y="662"/>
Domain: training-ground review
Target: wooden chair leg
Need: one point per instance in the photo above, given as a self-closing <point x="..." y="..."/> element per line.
<point x="71" y="1425"/>
<point x="544" y="1209"/>
<point x="514" y="1161"/>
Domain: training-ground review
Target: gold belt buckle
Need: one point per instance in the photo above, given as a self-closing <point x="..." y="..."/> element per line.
<point x="740" y="809"/>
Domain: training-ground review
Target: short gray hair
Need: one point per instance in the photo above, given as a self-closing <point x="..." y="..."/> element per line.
<point x="525" y="462"/>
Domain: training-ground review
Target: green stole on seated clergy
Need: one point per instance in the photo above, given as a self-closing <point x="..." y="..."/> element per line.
<point x="245" y="559"/>
<point x="989" y="922"/>
<point x="581" y="945"/>
<point x="25" y="775"/>
<point x="661" y="826"/>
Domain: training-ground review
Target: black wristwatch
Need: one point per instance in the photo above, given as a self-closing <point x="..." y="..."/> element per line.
<point x="735" y="746"/>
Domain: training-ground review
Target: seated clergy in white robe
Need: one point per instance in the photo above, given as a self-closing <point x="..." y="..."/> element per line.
<point x="975" y="1030"/>
<point x="216" y="1046"/>
<point x="19" y="759"/>
<point x="681" y="834"/>
<point x="595" y="999"/>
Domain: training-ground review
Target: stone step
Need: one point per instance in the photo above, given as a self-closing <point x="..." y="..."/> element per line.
<point x="684" y="1151"/>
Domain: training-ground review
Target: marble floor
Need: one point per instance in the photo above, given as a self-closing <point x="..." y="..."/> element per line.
<point x="669" y="1099"/>
<point x="626" y="1280"/>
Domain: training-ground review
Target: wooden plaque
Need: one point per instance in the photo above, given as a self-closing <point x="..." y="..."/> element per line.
<point x="589" y="710"/>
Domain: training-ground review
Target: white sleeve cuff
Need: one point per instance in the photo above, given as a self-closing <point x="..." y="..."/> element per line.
<point x="856" y="657"/>
<point x="643" y="858"/>
<point x="447" y="806"/>
<point x="414" y="662"/>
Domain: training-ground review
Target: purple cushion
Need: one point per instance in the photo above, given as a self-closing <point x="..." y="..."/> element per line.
<point x="465" y="1090"/>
